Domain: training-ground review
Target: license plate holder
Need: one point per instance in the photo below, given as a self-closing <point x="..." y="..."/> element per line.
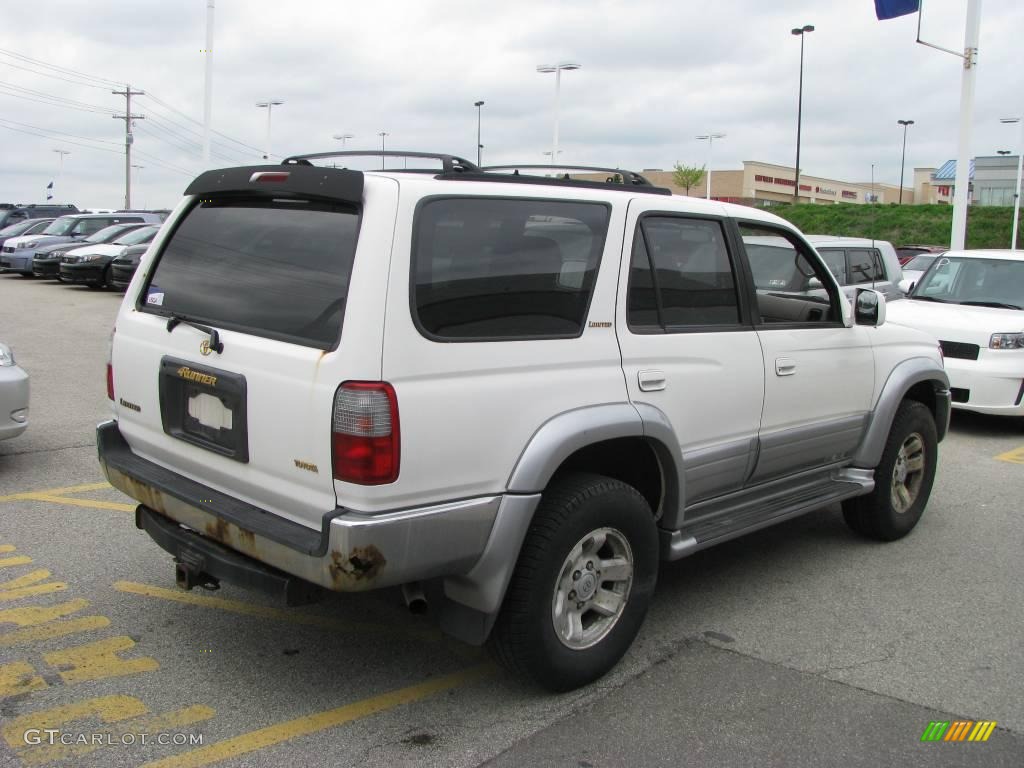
<point x="204" y="406"/>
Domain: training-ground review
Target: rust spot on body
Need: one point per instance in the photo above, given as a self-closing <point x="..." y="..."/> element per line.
<point x="218" y="529"/>
<point x="362" y="565"/>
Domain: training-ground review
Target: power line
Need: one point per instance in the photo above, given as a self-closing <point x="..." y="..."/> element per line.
<point x="197" y="122"/>
<point x="63" y="140"/>
<point x="58" y="77"/>
<point x="57" y="68"/>
<point x="54" y="101"/>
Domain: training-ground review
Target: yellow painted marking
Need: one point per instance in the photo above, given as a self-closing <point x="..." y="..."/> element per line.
<point x="5" y="548"/>
<point x="20" y="587"/>
<point x="249" y="609"/>
<point x="167" y="722"/>
<point x="57" y="491"/>
<point x="1016" y="456"/>
<point x="31" y="616"/>
<point x="99" y="660"/>
<point x="107" y="708"/>
<point x="49" y="631"/>
<point x="19" y="677"/>
<point x="72" y="501"/>
<point x="988" y="731"/>
<point x="7" y="562"/>
<point x="303" y="726"/>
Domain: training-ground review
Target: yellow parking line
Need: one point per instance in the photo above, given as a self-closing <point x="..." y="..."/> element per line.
<point x="250" y="609"/>
<point x="57" y="491"/>
<point x="72" y="501"/>
<point x="1016" y="456"/>
<point x="303" y="726"/>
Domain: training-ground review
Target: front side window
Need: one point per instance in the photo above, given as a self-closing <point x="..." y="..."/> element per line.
<point x="791" y="283"/>
<point x="680" y="276"/>
<point x="865" y="266"/>
<point x="835" y="260"/>
<point x="505" y="268"/>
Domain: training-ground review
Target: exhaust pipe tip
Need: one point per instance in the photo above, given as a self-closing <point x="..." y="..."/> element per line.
<point x="415" y="599"/>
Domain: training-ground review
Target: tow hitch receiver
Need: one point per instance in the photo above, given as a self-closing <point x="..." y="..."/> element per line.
<point x="187" y="576"/>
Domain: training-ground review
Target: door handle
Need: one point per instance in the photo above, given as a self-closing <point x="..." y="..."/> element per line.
<point x="651" y="381"/>
<point x="785" y="366"/>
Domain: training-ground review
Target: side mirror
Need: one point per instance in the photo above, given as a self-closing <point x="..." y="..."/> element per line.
<point x="906" y="285"/>
<point x="869" y="307"/>
<point x="813" y="283"/>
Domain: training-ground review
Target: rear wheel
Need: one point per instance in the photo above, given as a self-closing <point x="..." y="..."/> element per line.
<point x="582" y="584"/>
<point x="903" y="478"/>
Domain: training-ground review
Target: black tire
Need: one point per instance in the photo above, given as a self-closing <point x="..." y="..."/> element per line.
<point x="525" y="639"/>
<point x="877" y="515"/>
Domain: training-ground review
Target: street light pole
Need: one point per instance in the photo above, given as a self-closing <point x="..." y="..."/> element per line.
<point x="710" y="138"/>
<point x="479" y="146"/>
<point x="60" y="172"/>
<point x="269" y="105"/>
<point x="557" y="69"/>
<point x="1020" y="166"/>
<point x="343" y="137"/>
<point x="903" y="160"/>
<point x="383" y="135"/>
<point x="801" y="32"/>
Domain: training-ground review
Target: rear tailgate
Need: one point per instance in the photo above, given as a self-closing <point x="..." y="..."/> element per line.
<point x="232" y="341"/>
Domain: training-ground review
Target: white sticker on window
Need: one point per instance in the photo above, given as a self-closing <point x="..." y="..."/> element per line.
<point x="155" y="298"/>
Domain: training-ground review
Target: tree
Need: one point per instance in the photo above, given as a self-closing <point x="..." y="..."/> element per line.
<point x="687" y="176"/>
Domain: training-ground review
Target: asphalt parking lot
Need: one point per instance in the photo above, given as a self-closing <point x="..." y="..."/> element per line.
<point x="803" y="645"/>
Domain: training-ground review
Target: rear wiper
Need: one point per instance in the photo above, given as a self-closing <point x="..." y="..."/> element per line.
<point x="215" y="343"/>
<point x="997" y="304"/>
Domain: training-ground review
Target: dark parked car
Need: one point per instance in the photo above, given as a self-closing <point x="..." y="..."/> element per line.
<point x="46" y="260"/>
<point x="25" y="227"/>
<point x="90" y="264"/>
<point x="12" y="214"/>
<point x="122" y="268"/>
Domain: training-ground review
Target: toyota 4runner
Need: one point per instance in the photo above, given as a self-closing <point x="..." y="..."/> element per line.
<point x="509" y="392"/>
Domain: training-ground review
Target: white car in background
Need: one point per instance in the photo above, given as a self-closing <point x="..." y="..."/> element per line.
<point x="973" y="303"/>
<point x="914" y="268"/>
<point x="13" y="395"/>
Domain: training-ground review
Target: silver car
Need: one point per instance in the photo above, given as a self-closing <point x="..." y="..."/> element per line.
<point x="13" y="395"/>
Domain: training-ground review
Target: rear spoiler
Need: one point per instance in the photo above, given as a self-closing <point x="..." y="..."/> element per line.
<point x="280" y="180"/>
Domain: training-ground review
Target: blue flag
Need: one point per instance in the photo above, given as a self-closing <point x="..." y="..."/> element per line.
<point x="890" y="9"/>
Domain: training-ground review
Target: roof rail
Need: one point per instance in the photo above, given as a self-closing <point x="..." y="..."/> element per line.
<point x="628" y="177"/>
<point x="449" y="163"/>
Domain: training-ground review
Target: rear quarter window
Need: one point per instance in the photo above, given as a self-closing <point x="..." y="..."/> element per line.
<point x="273" y="268"/>
<point x="491" y="269"/>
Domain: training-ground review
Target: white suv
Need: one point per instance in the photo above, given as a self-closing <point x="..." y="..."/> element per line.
<point x="513" y="394"/>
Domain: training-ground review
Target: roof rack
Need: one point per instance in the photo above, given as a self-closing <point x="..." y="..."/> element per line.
<point x="628" y="177"/>
<point x="449" y="163"/>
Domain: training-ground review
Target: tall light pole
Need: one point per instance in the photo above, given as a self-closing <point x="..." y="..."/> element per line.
<point x="557" y="69"/>
<point x="343" y="137"/>
<point x="479" y="146"/>
<point x="208" y="92"/>
<point x="383" y="135"/>
<point x="801" y="32"/>
<point x="60" y="172"/>
<point x="903" y="160"/>
<point x="710" y="139"/>
<point x="269" y="105"/>
<point x="1020" y="166"/>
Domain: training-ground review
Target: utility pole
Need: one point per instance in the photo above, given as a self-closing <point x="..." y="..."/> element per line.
<point x="128" y="117"/>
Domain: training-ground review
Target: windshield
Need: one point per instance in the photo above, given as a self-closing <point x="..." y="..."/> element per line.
<point x="920" y="263"/>
<point x="60" y="226"/>
<point x="106" y="234"/>
<point x="972" y="281"/>
<point x="17" y="229"/>
<point x="137" y="236"/>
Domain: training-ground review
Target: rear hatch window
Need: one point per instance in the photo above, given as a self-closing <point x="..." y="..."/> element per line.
<point x="277" y="268"/>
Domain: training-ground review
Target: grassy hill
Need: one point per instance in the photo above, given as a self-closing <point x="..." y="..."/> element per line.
<point x="987" y="226"/>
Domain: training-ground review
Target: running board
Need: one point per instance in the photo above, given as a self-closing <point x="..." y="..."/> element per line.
<point x="760" y="512"/>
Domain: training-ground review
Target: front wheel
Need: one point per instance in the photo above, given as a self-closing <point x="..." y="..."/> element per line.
<point x="903" y="478"/>
<point x="582" y="584"/>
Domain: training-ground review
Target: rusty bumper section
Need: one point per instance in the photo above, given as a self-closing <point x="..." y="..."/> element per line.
<point x="352" y="552"/>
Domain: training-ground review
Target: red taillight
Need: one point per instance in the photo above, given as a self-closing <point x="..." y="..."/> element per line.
<point x="110" y="381"/>
<point x="365" y="433"/>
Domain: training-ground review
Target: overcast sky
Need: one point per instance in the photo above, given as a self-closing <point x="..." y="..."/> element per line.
<point x="654" y="75"/>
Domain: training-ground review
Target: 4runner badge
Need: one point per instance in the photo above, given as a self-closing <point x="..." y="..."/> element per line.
<point x="204" y="347"/>
<point x="599" y="324"/>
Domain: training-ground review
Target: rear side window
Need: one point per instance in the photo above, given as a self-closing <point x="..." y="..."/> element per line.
<point x="273" y="268"/>
<point x="491" y="269"/>
<point x="680" y="276"/>
<point x="865" y="265"/>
